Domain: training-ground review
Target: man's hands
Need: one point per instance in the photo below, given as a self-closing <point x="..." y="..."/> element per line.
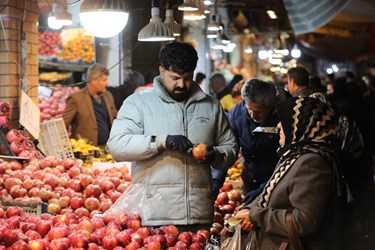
<point x="178" y="142"/>
<point x="209" y="157"/>
<point x="246" y="223"/>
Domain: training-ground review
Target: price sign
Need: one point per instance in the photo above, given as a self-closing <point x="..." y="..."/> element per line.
<point x="44" y="91"/>
<point x="29" y="115"/>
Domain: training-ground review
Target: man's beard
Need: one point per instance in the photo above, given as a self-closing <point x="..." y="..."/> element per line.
<point x="180" y="96"/>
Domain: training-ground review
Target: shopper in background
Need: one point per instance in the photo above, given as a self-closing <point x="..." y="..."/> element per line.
<point x="229" y="100"/>
<point x="298" y="81"/>
<point x="253" y="122"/>
<point x="90" y="111"/>
<point x="199" y="78"/>
<point x="218" y="86"/>
<point x="155" y="130"/>
<point x="132" y="81"/>
<point x="305" y="181"/>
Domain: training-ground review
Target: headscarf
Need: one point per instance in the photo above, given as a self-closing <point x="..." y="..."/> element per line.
<point x="309" y="126"/>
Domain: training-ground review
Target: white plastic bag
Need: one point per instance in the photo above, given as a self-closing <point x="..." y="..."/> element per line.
<point x="133" y="200"/>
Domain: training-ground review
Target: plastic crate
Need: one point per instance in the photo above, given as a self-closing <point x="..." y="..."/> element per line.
<point x="34" y="208"/>
<point x="54" y="139"/>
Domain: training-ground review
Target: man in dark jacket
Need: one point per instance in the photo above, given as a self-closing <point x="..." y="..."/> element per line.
<point x="254" y="122"/>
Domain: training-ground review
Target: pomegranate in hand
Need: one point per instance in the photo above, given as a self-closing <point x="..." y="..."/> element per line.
<point x="199" y="150"/>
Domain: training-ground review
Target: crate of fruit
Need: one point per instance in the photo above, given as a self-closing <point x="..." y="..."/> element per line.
<point x="35" y="207"/>
<point x="54" y="139"/>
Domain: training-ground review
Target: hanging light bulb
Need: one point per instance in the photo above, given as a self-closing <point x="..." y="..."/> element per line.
<point x="59" y="17"/>
<point x="53" y="24"/>
<point x="296" y="53"/>
<point x="188" y="5"/>
<point x="170" y="22"/>
<point x="103" y="18"/>
<point x="155" y="30"/>
<point x="248" y="49"/>
<point x="211" y="34"/>
<point x="263" y="53"/>
<point x="213" y="25"/>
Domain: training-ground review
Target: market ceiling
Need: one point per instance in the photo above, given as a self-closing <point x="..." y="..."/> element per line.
<point x="336" y="30"/>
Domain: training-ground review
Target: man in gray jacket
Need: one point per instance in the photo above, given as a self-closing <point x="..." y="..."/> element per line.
<point x="155" y="130"/>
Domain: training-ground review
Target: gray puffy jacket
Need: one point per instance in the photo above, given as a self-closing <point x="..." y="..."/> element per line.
<point x="184" y="185"/>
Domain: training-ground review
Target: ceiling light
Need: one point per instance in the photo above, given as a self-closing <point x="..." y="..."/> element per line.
<point x="208" y="2"/>
<point x="188" y="5"/>
<point x="194" y="15"/>
<point x="216" y="45"/>
<point x="103" y="18"/>
<point x="211" y="34"/>
<point x="59" y="17"/>
<point x="296" y="53"/>
<point x="262" y="53"/>
<point x="213" y="25"/>
<point x="53" y="24"/>
<point x="248" y="49"/>
<point x="155" y="30"/>
<point x="171" y="23"/>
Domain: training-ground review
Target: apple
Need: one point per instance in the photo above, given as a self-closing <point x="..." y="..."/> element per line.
<point x="93" y="190"/>
<point x="205" y="233"/>
<point x="171" y="239"/>
<point x="76" y="202"/>
<point x="43" y="227"/>
<point x="36" y="244"/>
<point x="154" y="245"/>
<point x="185" y="237"/>
<point x="124" y="238"/>
<point x="109" y="242"/>
<point x="14" y="211"/>
<point x="77" y="240"/>
<point x="92" y="203"/>
<point x="82" y="212"/>
<point x="20" y="245"/>
<point x="10" y="237"/>
<point x="199" y="150"/>
<point x="222" y="198"/>
<point x="144" y="232"/>
<point x="196" y="246"/>
<point x="92" y="246"/>
<point x="54" y="208"/>
<point x="133" y="245"/>
<point x="171" y="230"/>
<point x="133" y="224"/>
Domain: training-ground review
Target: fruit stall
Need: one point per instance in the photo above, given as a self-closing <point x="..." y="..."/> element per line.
<point x="50" y="202"/>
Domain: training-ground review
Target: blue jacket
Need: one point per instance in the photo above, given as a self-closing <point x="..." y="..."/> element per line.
<point x="258" y="142"/>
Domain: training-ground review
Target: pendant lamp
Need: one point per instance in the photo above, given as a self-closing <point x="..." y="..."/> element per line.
<point x="155" y="30"/>
<point x="104" y="18"/>
<point x="170" y="22"/>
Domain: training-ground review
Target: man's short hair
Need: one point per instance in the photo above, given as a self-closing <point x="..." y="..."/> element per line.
<point x="96" y="70"/>
<point x="300" y="75"/>
<point x="179" y="57"/>
<point x="258" y="91"/>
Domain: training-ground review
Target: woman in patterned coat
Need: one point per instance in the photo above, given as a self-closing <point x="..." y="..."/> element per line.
<point x="305" y="181"/>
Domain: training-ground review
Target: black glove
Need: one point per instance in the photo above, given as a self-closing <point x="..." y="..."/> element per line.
<point x="250" y="196"/>
<point x="178" y="142"/>
<point x="209" y="157"/>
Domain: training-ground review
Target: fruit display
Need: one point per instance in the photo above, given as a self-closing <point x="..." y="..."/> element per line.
<point x="234" y="172"/>
<point x="49" y="44"/>
<point x="76" y="45"/>
<point x="5" y="110"/>
<point x="82" y="149"/>
<point x="21" y="144"/>
<point x="53" y="77"/>
<point x="54" y="106"/>
<point x="76" y="197"/>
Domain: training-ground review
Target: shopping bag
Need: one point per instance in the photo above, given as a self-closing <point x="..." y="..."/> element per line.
<point x="133" y="200"/>
<point x="233" y="242"/>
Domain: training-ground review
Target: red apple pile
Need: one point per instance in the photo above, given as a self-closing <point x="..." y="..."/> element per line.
<point x="66" y="185"/>
<point x="226" y="205"/>
<point x="19" y="230"/>
<point x="54" y="106"/>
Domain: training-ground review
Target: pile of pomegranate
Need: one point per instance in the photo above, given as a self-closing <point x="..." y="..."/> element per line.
<point x="21" y="145"/>
<point x="5" y="110"/>
<point x="54" y="106"/>
<point x="77" y="196"/>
